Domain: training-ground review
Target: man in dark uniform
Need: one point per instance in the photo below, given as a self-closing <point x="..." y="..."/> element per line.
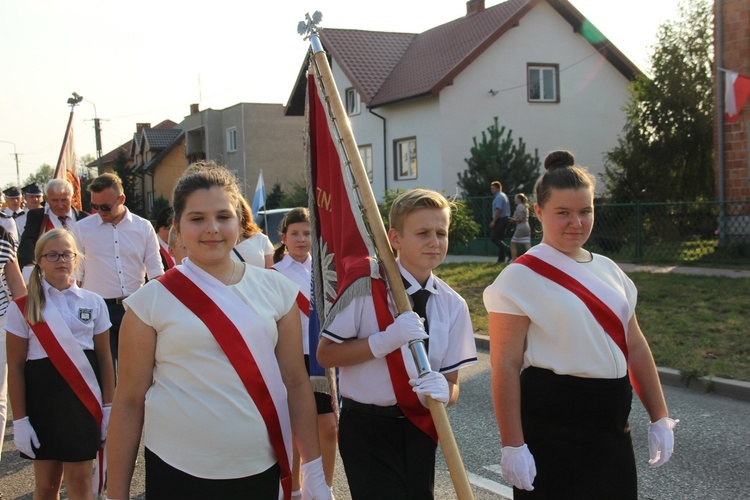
<point x="32" y="196"/>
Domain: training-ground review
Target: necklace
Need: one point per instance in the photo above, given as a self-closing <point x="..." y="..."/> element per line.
<point x="234" y="268"/>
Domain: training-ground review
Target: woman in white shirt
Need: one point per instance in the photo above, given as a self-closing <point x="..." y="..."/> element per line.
<point x="213" y="345"/>
<point x="253" y="246"/>
<point x="564" y="319"/>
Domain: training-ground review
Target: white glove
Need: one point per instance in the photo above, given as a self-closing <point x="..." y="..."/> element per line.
<point x="105" y="421"/>
<point x="661" y="441"/>
<point x="407" y="326"/>
<point x="314" y="485"/>
<point x="24" y="437"/>
<point x="518" y="467"/>
<point x="433" y="384"/>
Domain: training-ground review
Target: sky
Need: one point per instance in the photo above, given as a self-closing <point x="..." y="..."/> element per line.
<point x="148" y="60"/>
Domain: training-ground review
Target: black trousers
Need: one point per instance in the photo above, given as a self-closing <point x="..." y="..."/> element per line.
<point x="116" y="312"/>
<point x="386" y="457"/>
<point x="578" y="432"/>
<point x="497" y="237"/>
<point x="164" y="482"/>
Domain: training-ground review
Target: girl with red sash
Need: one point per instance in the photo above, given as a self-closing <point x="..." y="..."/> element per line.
<point x="564" y="319"/>
<point x="61" y="377"/>
<point x="211" y="367"/>
<point x="292" y="259"/>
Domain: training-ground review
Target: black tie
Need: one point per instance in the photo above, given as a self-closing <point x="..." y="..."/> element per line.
<point x="420" y="298"/>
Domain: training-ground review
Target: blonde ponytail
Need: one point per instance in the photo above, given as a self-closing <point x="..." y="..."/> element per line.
<point x="35" y="300"/>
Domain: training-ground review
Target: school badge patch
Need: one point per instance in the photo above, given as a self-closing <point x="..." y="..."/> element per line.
<point x="85" y="315"/>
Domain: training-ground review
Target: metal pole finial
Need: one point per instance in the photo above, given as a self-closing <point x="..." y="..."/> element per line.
<point x="309" y="29"/>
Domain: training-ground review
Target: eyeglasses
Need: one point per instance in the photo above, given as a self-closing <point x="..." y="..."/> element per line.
<point x="54" y="257"/>
<point x="101" y="208"/>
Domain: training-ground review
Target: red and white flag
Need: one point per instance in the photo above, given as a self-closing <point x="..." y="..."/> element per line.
<point x="737" y="91"/>
<point x="345" y="263"/>
<point x="67" y="168"/>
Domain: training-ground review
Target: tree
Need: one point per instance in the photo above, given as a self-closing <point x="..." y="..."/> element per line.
<point x="297" y="197"/>
<point x="133" y="200"/>
<point x="462" y="230"/>
<point x="42" y="176"/>
<point x="498" y="158"/>
<point x="273" y="200"/>
<point x="665" y="152"/>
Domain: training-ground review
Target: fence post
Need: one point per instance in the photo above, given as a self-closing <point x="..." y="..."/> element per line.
<point x="638" y="230"/>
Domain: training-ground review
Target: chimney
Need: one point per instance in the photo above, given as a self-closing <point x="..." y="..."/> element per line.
<point x="139" y="127"/>
<point x="474" y="6"/>
<point x="194" y="108"/>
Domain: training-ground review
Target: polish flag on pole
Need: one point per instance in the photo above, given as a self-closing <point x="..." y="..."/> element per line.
<point x="66" y="164"/>
<point x="737" y="91"/>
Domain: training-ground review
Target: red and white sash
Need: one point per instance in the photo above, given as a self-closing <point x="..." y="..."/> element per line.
<point x="164" y="251"/>
<point x="69" y="360"/>
<point x="406" y="398"/>
<point x="608" y="305"/>
<point x="226" y="317"/>
<point x="302" y="302"/>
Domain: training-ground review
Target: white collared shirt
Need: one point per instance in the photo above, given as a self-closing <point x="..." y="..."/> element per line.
<point x="84" y="312"/>
<point x="117" y="256"/>
<point x="452" y="345"/>
<point x="299" y="273"/>
<point x="70" y="221"/>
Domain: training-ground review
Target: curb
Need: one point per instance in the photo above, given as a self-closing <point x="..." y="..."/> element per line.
<point x="735" y="389"/>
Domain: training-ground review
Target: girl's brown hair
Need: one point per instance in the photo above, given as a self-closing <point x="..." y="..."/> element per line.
<point x="295" y="215"/>
<point x="561" y="173"/>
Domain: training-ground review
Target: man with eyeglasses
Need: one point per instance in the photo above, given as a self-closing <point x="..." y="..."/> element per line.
<point x="57" y="213"/>
<point x="119" y="247"/>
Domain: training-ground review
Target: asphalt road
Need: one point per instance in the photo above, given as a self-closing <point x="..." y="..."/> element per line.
<point x="711" y="459"/>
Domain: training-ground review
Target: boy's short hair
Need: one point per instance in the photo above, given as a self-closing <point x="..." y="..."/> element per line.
<point x="413" y="200"/>
<point x="165" y="217"/>
<point x="496" y="184"/>
<point x="172" y="239"/>
<point x="104" y="181"/>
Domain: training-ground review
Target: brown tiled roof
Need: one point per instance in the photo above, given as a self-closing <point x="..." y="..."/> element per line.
<point x="126" y="147"/>
<point x="390" y="67"/>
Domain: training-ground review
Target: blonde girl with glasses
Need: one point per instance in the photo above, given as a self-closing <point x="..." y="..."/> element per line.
<point x="59" y="335"/>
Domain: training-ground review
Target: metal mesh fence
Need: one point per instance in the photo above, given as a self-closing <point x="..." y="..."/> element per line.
<point x="664" y="233"/>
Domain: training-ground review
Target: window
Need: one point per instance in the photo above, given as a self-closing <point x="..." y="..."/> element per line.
<point x="352" y="102"/>
<point x="365" y="152"/>
<point x="543" y="83"/>
<point x="405" y="151"/>
<point x="232" y="139"/>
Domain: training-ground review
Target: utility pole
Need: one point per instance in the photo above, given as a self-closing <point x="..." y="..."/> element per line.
<point x="97" y="135"/>
<point x="18" y="172"/>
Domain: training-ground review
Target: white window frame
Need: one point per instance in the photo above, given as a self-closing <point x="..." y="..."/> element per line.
<point x="353" y="102"/>
<point x="405" y="158"/>
<point x="365" y="152"/>
<point x="547" y="76"/>
<point x="231" y="139"/>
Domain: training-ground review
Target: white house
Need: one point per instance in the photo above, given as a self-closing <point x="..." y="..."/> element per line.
<point x="416" y="101"/>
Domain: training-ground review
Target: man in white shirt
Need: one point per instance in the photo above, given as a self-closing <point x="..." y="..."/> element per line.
<point x="119" y="248"/>
<point x="57" y="213"/>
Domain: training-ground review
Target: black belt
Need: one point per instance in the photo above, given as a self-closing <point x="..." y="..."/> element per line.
<point x="382" y="411"/>
<point x="117" y="301"/>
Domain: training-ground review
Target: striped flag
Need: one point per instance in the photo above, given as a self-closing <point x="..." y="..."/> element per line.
<point x="67" y="168"/>
<point x="259" y="199"/>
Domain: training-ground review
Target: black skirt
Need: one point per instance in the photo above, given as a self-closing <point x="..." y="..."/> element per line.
<point x="578" y="432"/>
<point x="66" y="430"/>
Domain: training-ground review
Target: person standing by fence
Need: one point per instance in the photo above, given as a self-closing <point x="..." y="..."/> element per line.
<point x="499" y="223"/>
